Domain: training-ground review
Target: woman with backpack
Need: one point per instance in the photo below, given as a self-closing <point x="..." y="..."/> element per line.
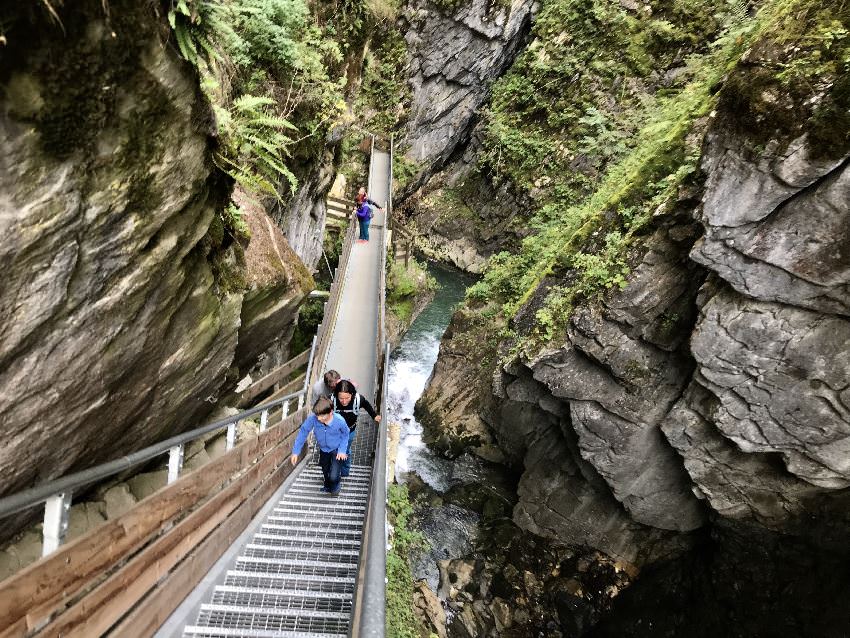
<point x="364" y="212"/>
<point x="347" y="403"/>
<point x="364" y="217"/>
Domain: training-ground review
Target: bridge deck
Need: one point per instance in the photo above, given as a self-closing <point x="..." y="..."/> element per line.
<point x="293" y="571"/>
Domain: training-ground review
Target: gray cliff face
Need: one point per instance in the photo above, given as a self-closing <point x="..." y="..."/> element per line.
<point x="759" y="218"/>
<point x="463" y="218"/>
<point x="690" y="392"/>
<point x="454" y="58"/>
<point x="621" y="369"/>
<point x="120" y="320"/>
<point x="303" y="218"/>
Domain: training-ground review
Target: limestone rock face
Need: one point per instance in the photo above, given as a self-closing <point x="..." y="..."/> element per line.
<point x="463" y="218"/>
<point x="620" y="385"/>
<point x="777" y="230"/>
<point x="690" y="392"/>
<point x="278" y="282"/>
<point x="450" y="408"/>
<point x="303" y="218"/>
<point x="782" y="378"/>
<point x="454" y="58"/>
<point x="736" y="484"/>
<point x="119" y="322"/>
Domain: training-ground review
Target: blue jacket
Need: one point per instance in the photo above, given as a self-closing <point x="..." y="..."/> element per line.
<point x="333" y="436"/>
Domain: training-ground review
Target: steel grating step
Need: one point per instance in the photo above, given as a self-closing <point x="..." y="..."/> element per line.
<point x="253" y="550"/>
<point x="341" y="507"/>
<point x="331" y="516"/>
<point x="230" y="617"/>
<point x="308" y="534"/>
<point x="358" y="502"/>
<point x="280" y="599"/>
<point x="303" y="583"/>
<point x="272" y="567"/>
<point x="305" y="542"/>
<point x="315" y="488"/>
<point x="243" y="609"/>
<point x="319" y="529"/>
<point x="345" y="491"/>
<point x="351" y="478"/>
<point x="356" y="468"/>
<point x="324" y="502"/>
<point x="356" y="484"/>
<point x="217" y="632"/>
<point x="348" y="522"/>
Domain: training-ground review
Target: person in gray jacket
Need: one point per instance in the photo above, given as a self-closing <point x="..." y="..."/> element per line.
<point x="324" y="387"/>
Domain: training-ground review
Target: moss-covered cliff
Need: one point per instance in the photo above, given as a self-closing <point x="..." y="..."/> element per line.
<point x="135" y="292"/>
<point x="668" y="332"/>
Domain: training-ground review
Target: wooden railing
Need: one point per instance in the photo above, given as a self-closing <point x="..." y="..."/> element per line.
<point x="273" y="378"/>
<point x="125" y="577"/>
<point x="323" y="334"/>
<point x="135" y="569"/>
<point x="339" y="208"/>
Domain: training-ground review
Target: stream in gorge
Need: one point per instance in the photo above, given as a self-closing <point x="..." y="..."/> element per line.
<point x="482" y="574"/>
<point x="449" y="529"/>
<point x="486" y="577"/>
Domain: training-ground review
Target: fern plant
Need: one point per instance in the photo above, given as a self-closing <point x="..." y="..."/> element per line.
<point x="254" y="144"/>
<point x="203" y="28"/>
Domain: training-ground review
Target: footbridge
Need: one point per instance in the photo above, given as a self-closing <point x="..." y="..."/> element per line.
<point x="244" y="545"/>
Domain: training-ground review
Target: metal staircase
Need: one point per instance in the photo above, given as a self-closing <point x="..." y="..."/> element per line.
<point x="246" y="545"/>
<point x="297" y="574"/>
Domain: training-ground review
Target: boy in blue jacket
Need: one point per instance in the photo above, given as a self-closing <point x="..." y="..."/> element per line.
<point x="331" y="433"/>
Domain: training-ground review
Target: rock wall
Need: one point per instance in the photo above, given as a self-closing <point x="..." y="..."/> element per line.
<point x="454" y="56"/>
<point x="714" y="386"/>
<point x="303" y="217"/>
<point x="122" y="298"/>
<point x="462" y="218"/>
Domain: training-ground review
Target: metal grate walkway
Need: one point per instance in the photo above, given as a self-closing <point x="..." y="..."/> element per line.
<point x="296" y="576"/>
<point x="297" y="573"/>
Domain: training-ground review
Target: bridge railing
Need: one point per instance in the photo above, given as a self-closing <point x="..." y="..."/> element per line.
<point x="56" y="495"/>
<point x="130" y="572"/>
<point x="325" y="330"/>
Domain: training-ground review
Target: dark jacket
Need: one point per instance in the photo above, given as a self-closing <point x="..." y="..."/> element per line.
<point x="352" y="410"/>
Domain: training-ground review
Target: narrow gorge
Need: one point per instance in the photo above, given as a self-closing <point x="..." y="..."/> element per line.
<point x="638" y="422"/>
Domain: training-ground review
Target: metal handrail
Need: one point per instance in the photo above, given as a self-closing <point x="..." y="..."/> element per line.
<point x="331" y="306"/>
<point x="372" y="611"/>
<point x="389" y="222"/>
<point x="40" y="493"/>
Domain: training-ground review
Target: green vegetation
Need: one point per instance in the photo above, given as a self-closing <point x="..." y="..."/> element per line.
<point x="602" y="168"/>
<point x="404" y="285"/>
<point x="404" y="170"/>
<point x="401" y="621"/>
<point x="384" y="91"/>
<point x="263" y="64"/>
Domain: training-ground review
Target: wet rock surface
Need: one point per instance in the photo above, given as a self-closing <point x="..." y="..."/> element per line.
<point x="699" y="412"/>
<point x="461" y="217"/>
<point x="122" y="297"/>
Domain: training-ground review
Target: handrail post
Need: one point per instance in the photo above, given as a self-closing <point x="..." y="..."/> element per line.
<point x="389" y="222"/>
<point x="264" y="420"/>
<point x="231" y="436"/>
<point x="56" y="513"/>
<point x="175" y="462"/>
<point x="308" y="380"/>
